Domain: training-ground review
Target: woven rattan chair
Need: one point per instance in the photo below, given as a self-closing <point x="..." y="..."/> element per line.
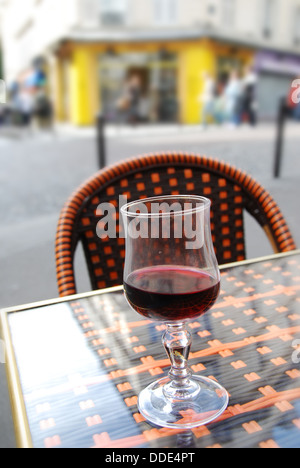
<point x="230" y="190"/>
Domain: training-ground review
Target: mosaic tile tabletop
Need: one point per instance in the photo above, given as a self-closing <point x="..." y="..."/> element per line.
<point x="82" y="363"/>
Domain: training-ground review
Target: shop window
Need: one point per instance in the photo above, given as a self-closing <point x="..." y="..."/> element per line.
<point x="165" y="12"/>
<point x="211" y="9"/>
<point x="297" y="27"/>
<point x="113" y="12"/>
<point x="155" y="78"/>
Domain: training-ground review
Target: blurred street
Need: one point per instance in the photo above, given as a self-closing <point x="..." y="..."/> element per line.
<point x="39" y="172"/>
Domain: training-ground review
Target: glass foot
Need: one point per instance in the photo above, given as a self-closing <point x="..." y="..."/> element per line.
<point x="207" y="401"/>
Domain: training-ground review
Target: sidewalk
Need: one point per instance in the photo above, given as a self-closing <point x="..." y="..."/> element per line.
<point x="261" y="131"/>
<point x="224" y="132"/>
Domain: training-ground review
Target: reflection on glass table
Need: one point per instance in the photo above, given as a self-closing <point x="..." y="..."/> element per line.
<point x="77" y="365"/>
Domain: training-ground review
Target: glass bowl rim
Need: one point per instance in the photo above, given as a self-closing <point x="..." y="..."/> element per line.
<point x="206" y="203"/>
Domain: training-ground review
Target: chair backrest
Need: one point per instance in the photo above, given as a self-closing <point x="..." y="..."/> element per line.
<point x="231" y="191"/>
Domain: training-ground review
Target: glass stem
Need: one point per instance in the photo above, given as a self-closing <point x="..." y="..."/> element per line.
<point x="177" y="342"/>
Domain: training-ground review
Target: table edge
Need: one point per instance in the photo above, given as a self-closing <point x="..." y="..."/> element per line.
<point x="97" y="292"/>
<point x="19" y="414"/>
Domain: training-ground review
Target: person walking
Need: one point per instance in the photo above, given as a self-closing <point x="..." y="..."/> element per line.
<point x="42" y="110"/>
<point x="207" y="98"/>
<point x="233" y="96"/>
<point x="249" y="104"/>
<point x="25" y="106"/>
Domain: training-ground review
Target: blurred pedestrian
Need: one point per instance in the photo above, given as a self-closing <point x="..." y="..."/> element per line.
<point x="13" y="103"/>
<point x="219" y="103"/>
<point x="2" y="114"/>
<point x="297" y="112"/>
<point x="249" y="104"/>
<point x="207" y="98"/>
<point x="128" y="105"/>
<point x="42" y="109"/>
<point x="134" y="95"/>
<point x="233" y="99"/>
<point x="24" y="104"/>
<point x="123" y="103"/>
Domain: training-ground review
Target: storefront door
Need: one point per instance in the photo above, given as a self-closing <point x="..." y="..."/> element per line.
<point x="156" y="78"/>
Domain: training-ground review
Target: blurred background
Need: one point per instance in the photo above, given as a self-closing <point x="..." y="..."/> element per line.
<point x="208" y="76"/>
<point x="149" y="60"/>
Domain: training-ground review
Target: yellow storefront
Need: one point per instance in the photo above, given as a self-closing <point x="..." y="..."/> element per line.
<point x="78" y="67"/>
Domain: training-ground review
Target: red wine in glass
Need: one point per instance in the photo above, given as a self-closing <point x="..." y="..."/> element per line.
<point x="171" y="275"/>
<point x="171" y="293"/>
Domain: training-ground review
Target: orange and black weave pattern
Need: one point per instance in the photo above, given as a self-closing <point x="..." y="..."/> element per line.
<point x="230" y="190"/>
<point x="83" y="391"/>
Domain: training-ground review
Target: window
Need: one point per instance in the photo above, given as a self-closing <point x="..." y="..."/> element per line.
<point x="113" y="12"/>
<point x="269" y="16"/>
<point x="211" y="9"/>
<point x="165" y="12"/>
<point x="296" y="31"/>
<point x="228" y="13"/>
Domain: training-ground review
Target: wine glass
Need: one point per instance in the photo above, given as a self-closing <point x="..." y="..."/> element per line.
<point x="171" y="275"/>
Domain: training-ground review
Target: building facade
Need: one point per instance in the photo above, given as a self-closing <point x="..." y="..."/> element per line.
<point x="89" y="47"/>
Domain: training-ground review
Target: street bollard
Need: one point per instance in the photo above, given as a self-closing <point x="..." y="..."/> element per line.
<point x="100" y="123"/>
<point x="282" y="115"/>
